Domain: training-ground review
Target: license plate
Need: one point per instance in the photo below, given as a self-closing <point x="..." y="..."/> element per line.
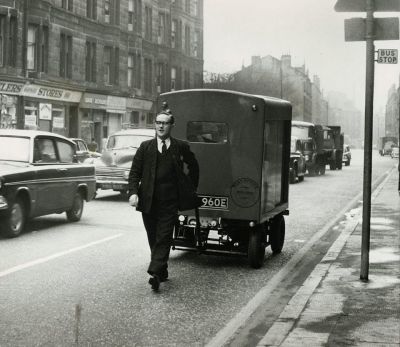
<point x="214" y="202"/>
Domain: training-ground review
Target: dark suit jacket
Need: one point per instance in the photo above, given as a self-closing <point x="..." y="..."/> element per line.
<point x="143" y="173"/>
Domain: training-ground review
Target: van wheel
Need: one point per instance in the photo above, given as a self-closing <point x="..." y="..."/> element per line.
<point x="347" y="163"/>
<point x="15" y="220"/>
<point x="75" y="213"/>
<point x="277" y="234"/>
<point x="256" y="248"/>
<point x="322" y="170"/>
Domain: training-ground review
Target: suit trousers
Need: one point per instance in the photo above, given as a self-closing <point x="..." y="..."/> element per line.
<point x="159" y="225"/>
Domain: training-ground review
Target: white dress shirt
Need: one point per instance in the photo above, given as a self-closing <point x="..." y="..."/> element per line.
<point x="159" y="143"/>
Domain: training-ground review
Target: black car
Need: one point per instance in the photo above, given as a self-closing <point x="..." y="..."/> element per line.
<point x="40" y="175"/>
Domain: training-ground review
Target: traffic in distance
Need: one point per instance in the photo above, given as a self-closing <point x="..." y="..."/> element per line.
<point x="250" y="140"/>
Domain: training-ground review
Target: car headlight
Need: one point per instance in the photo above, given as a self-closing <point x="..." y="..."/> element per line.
<point x="126" y="175"/>
<point x="307" y="157"/>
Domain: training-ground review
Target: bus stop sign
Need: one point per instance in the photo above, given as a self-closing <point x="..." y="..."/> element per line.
<point x="387" y="56"/>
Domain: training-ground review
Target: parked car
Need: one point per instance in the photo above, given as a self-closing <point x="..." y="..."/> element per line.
<point x="395" y="152"/>
<point x="346" y="158"/>
<point x="112" y="168"/>
<point x="297" y="163"/>
<point x="40" y="175"/>
<point x="82" y="150"/>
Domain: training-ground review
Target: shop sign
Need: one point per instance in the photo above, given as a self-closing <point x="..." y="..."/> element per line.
<point x="45" y="111"/>
<point x="139" y="104"/>
<point x="36" y="91"/>
<point x="10" y="87"/>
<point x="58" y="122"/>
<point x="30" y="120"/>
<point x="96" y="101"/>
<point x="116" y="104"/>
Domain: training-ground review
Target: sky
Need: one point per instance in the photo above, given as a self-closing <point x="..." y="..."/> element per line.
<point x="309" y="30"/>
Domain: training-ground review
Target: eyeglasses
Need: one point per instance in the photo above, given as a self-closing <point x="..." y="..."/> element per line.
<point x="162" y="123"/>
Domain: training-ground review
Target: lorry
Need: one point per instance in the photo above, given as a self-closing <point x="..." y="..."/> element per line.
<point x="312" y="138"/>
<point x="386" y="143"/>
<point x="242" y="144"/>
<point x="333" y="146"/>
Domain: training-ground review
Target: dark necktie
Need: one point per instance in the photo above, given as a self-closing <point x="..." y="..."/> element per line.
<point x="164" y="147"/>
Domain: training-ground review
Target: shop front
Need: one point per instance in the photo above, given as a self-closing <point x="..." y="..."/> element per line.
<point x="139" y="114"/>
<point x="9" y="92"/>
<point x="50" y="109"/>
<point x="101" y="115"/>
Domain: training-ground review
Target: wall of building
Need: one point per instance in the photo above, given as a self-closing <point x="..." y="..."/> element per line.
<point x="93" y="107"/>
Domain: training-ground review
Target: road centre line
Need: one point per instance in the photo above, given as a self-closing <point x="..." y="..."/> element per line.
<point x="54" y="256"/>
<point x="226" y="333"/>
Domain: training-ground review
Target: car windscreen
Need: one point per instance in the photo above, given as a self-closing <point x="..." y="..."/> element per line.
<point x="126" y="141"/>
<point x="300" y="132"/>
<point x="14" y="148"/>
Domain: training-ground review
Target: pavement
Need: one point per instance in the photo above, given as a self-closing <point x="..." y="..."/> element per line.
<point x="334" y="307"/>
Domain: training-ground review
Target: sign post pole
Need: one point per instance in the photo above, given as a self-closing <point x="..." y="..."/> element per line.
<point x="369" y="106"/>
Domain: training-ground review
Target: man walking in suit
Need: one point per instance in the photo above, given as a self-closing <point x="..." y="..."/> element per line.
<point x="159" y="187"/>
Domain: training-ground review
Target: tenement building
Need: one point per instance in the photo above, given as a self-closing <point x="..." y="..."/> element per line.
<point x="87" y="68"/>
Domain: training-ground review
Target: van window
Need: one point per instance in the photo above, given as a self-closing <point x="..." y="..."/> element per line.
<point x="207" y="132"/>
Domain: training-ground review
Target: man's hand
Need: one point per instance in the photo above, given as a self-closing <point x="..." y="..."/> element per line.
<point x="133" y="200"/>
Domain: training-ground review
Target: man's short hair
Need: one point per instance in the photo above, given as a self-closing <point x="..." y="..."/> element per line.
<point x="168" y="113"/>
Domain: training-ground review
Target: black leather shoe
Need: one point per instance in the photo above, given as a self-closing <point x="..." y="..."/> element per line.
<point x="154" y="282"/>
<point x="164" y="276"/>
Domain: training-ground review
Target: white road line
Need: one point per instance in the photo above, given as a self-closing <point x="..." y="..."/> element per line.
<point x="244" y="314"/>
<point x="54" y="256"/>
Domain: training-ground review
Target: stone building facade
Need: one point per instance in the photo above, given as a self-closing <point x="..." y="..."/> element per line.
<point x="278" y="78"/>
<point x="392" y="112"/>
<point x="87" y="68"/>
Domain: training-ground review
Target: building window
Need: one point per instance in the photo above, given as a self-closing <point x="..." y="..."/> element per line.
<point x="195" y="8"/>
<point x="131" y="70"/>
<point x="107" y="11"/>
<point x="173" y="78"/>
<point x="174" y="32"/>
<point x="116" y="66"/>
<point x="90" y="60"/>
<point x="65" y="55"/>
<point x="162" y="34"/>
<point x="91" y="9"/>
<point x="2" y="40"/>
<point x="148" y="75"/>
<point x="150" y="119"/>
<point x="67" y="4"/>
<point x="187" y="6"/>
<point x="187" y="40"/>
<point x="32" y="47"/>
<point x="186" y="79"/>
<point x="107" y="65"/>
<point x="12" y="42"/>
<point x="111" y="12"/>
<point x="161" y="77"/>
<point x="131" y="14"/>
<point x="196" y="44"/>
<point x="148" y="23"/>
<point x="198" y="80"/>
<point x="44" y="49"/>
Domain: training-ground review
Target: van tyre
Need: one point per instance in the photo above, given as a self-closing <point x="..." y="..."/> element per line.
<point x="15" y="219"/>
<point x="75" y="213"/>
<point x="293" y="175"/>
<point x="277" y="234"/>
<point x="347" y="163"/>
<point x="256" y="248"/>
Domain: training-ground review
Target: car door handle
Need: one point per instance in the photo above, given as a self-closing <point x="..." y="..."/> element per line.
<point x="62" y="169"/>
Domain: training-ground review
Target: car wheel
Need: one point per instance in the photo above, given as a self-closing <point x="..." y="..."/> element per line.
<point x="15" y="220"/>
<point x="301" y="178"/>
<point x="277" y="235"/>
<point x="322" y="170"/>
<point x="75" y="213"/>
<point x="347" y="163"/>
<point x="256" y="248"/>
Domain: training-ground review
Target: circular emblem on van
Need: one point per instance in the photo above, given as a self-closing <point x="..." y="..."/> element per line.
<point x="245" y="192"/>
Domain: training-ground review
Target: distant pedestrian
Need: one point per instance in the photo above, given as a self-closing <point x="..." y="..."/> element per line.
<point x="159" y="187"/>
<point x="92" y="145"/>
